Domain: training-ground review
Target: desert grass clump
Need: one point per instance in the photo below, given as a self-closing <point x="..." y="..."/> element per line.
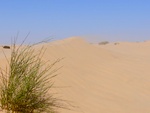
<point x="26" y="83"/>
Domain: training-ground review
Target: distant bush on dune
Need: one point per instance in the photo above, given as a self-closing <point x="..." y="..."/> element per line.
<point x="116" y="43"/>
<point x="6" y="47"/>
<point x="103" y="43"/>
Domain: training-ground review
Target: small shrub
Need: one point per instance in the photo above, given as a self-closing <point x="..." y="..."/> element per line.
<point x="6" y="47"/>
<point x="103" y="43"/>
<point x="116" y="43"/>
<point x="24" y="87"/>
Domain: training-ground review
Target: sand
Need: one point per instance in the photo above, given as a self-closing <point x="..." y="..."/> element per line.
<point x="100" y="78"/>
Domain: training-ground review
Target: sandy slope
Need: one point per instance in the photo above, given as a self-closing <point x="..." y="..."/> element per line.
<point x="101" y="78"/>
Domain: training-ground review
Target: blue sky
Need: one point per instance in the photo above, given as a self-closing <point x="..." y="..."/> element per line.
<point x="97" y="20"/>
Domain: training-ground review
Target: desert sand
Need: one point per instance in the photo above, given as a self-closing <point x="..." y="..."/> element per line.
<point x="100" y="78"/>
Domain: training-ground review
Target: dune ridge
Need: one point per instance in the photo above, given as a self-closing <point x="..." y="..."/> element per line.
<point x="101" y="79"/>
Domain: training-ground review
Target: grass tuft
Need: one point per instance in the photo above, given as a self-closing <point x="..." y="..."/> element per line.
<point x="25" y="85"/>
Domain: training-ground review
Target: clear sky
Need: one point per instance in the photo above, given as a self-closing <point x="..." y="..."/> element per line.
<point x="113" y="20"/>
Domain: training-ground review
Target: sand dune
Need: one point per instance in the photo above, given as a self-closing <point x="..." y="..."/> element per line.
<point x="101" y="78"/>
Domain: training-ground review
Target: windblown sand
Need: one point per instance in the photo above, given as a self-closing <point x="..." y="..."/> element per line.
<point x="100" y="78"/>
